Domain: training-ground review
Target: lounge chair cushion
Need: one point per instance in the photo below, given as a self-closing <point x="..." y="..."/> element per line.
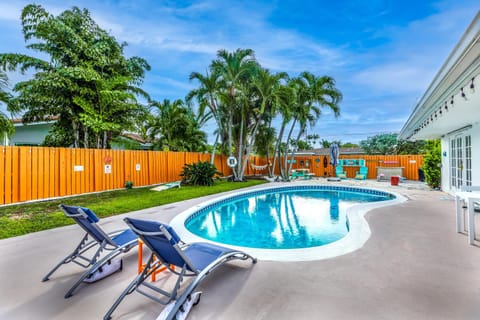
<point x="201" y="254"/>
<point x="92" y="217"/>
<point x="124" y="237"/>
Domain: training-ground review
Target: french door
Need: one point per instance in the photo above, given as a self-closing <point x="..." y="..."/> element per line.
<point x="460" y="161"/>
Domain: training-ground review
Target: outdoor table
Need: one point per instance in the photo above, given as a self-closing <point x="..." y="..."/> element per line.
<point x="141" y="265"/>
<point x="470" y="198"/>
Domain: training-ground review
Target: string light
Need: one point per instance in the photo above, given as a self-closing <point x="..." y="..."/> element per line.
<point x="444" y="108"/>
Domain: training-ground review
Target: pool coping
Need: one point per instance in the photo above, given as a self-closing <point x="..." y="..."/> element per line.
<point x="359" y="230"/>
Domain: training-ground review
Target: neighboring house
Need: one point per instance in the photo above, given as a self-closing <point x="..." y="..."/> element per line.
<point x="30" y="134"/>
<point x="450" y="110"/>
<point x="33" y="134"/>
<point x="131" y="141"/>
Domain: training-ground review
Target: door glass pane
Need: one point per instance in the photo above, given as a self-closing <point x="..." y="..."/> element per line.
<point x="468" y="160"/>
<point x="459" y="163"/>
<point x="453" y="163"/>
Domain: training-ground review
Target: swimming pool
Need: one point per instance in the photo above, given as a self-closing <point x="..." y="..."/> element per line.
<point x="301" y="222"/>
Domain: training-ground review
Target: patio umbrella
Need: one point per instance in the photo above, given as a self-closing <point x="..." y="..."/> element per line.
<point x="334" y="153"/>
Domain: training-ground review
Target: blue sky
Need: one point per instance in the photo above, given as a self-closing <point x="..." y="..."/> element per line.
<point x="382" y="53"/>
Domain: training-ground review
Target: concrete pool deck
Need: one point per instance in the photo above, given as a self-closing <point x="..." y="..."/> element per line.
<point x="414" y="266"/>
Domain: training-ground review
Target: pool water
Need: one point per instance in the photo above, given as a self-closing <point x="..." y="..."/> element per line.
<point x="284" y="219"/>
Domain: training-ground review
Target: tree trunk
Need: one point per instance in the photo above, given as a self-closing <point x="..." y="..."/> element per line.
<point x="105" y="139"/>
<point x="286" y="173"/>
<point x="292" y="155"/>
<point x="276" y="151"/>
<point x="212" y="158"/>
<point x="249" y="145"/>
<point x="76" y="134"/>
<point x="85" y="137"/>
<point x="230" y="125"/>
<point x="240" y="152"/>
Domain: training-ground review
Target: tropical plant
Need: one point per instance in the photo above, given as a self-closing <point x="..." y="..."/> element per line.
<point x="199" y="174"/>
<point x="236" y="71"/>
<point x="244" y="98"/>
<point x="175" y="127"/>
<point x="312" y="139"/>
<point x="432" y="163"/>
<point x="85" y="80"/>
<point x="325" y="143"/>
<point x="307" y="95"/>
<point x="388" y="143"/>
<point x="349" y="145"/>
<point x="209" y="104"/>
<point x="380" y="144"/>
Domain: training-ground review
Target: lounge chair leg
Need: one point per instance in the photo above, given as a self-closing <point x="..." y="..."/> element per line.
<point x="90" y="271"/>
<point x="131" y="288"/>
<point x="47" y="277"/>
<point x="81" y="247"/>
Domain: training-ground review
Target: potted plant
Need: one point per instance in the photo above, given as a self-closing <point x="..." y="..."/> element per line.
<point x="128" y="184"/>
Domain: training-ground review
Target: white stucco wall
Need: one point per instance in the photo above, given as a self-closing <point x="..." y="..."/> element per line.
<point x="475" y="132"/>
<point x="445" y="164"/>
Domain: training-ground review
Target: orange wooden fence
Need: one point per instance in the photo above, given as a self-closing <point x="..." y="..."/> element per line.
<point x="35" y="173"/>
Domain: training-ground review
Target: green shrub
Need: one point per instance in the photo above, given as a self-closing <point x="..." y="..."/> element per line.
<point x="431" y="164"/>
<point x="199" y="174"/>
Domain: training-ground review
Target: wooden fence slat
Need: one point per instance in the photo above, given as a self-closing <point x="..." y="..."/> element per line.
<point x="35" y="159"/>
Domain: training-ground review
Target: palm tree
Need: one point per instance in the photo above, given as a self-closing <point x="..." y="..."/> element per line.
<point x="235" y="69"/>
<point x="311" y="94"/>
<point x="175" y="127"/>
<point x="207" y="96"/>
<point x="271" y="94"/>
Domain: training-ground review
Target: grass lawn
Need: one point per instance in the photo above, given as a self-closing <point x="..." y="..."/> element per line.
<point x="21" y="219"/>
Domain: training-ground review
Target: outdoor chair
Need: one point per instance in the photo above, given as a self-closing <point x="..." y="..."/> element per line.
<point x="340" y="173"/>
<point x="117" y="242"/>
<point x="296" y="174"/>
<point x="197" y="260"/>
<point x="362" y="173"/>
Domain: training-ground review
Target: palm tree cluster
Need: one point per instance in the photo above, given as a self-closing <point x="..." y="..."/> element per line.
<point x="173" y="126"/>
<point x="246" y="99"/>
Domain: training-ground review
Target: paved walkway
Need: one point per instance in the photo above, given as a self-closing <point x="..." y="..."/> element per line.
<point x="415" y="266"/>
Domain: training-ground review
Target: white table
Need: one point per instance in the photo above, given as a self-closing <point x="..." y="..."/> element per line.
<point x="470" y="198"/>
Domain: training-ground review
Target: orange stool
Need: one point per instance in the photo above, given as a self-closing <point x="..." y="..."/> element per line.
<point x="142" y="265"/>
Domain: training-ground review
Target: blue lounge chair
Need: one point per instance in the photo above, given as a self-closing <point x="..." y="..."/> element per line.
<point x="116" y="242"/>
<point x="197" y="260"/>
<point x="362" y="173"/>
<point x="340" y="173"/>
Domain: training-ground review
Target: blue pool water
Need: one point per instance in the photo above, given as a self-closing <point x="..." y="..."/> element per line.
<point x="282" y="218"/>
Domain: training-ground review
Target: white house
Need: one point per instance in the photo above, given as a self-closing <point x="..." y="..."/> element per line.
<point x="450" y="110"/>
